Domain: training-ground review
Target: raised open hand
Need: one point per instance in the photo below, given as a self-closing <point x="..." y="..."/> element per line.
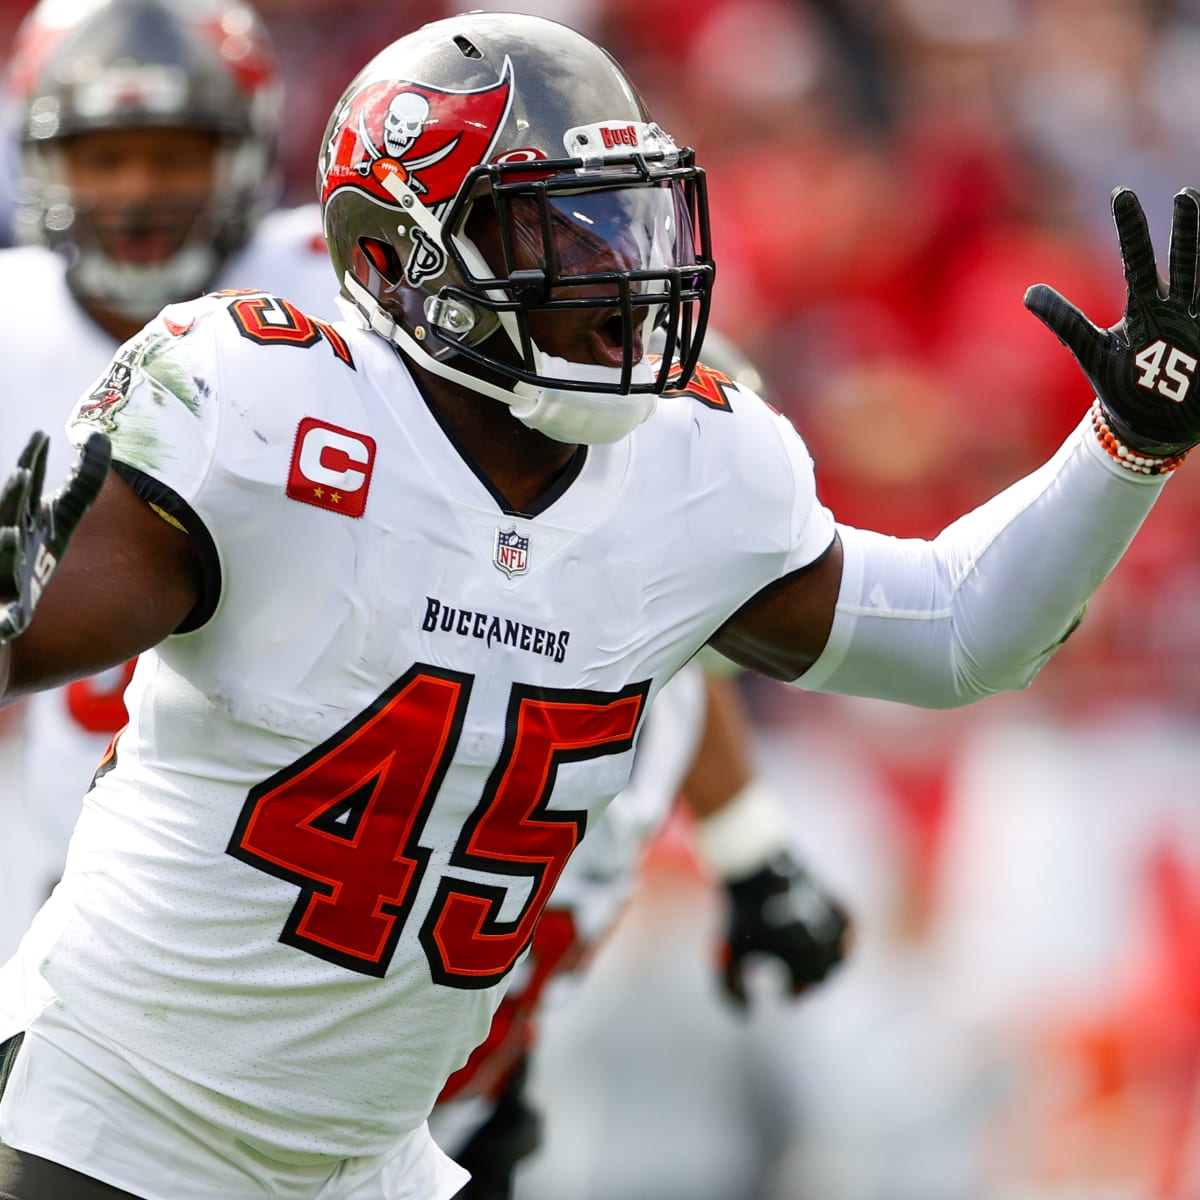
<point x="1144" y="368"/>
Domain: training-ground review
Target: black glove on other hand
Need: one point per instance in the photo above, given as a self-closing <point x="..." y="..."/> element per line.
<point x="780" y="913"/>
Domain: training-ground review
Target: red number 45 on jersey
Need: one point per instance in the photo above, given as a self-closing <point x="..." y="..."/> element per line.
<point x="344" y="824"/>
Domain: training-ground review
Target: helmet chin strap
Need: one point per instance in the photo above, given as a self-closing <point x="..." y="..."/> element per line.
<point x="591" y="418"/>
<point x="575" y="417"/>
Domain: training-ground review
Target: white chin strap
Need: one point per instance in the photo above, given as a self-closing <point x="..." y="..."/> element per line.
<point x="578" y="418"/>
<point x="591" y="418"/>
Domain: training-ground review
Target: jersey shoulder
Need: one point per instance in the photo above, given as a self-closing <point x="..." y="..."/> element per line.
<point x="245" y="352"/>
<point x="729" y="425"/>
<point x="707" y="386"/>
<point x="739" y="458"/>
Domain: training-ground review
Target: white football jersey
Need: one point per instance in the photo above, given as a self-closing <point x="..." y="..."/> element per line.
<point x="350" y="782"/>
<point x="52" y="353"/>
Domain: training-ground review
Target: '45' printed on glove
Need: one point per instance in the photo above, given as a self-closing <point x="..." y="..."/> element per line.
<point x="35" y="532"/>
<point x="1144" y="369"/>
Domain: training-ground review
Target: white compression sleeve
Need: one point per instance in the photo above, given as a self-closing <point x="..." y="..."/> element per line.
<point x="980" y="608"/>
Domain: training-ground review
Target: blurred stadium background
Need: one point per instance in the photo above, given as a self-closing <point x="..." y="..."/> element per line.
<point x="1020" y="1019"/>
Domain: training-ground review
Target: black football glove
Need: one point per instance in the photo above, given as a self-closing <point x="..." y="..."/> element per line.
<point x="780" y="913"/>
<point x="1144" y="368"/>
<point x="35" y="532"/>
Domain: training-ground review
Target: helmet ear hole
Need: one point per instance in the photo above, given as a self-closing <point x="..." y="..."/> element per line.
<point x="380" y="256"/>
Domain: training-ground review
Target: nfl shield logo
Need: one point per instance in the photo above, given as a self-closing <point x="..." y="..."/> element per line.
<point x="511" y="553"/>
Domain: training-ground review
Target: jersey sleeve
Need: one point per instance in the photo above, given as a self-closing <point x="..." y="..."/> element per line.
<point x="156" y="401"/>
<point x="767" y="473"/>
<point x="812" y="524"/>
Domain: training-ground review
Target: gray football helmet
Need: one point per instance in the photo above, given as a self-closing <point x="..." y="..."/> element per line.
<point x="529" y="126"/>
<point x="80" y="66"/>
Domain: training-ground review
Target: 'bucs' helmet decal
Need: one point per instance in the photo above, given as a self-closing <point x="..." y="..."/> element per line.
<point x="427" y="137"/>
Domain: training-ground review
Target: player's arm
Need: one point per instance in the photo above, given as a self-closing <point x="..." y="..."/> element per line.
<point x="980" y="608"/>
<point x="723" y="763"/>
<point x="90" y="575"/>
<point x="775" y="909"/>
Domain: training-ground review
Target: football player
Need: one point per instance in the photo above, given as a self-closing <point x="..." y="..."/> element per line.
<point x="404" y="587"/>
<point x="151" y="184"/>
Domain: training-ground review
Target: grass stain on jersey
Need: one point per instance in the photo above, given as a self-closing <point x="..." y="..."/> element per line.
<point x="168" y="383"/>
<point x="167" y="378"/>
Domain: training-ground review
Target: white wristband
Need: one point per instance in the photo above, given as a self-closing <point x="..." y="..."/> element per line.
<point x="743" y="834"/>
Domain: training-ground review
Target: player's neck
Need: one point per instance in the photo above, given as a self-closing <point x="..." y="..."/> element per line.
<point x="520" y="463"/>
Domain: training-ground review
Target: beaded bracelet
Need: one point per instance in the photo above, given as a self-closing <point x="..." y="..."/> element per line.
<point x="1131" y="460"/>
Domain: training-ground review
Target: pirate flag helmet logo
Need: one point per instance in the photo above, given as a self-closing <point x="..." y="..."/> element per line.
<point x="426" y="137"/>
<point x="407" y="143"/>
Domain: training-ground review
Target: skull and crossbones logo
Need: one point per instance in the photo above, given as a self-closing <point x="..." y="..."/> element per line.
<point x="404" y="122"/>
